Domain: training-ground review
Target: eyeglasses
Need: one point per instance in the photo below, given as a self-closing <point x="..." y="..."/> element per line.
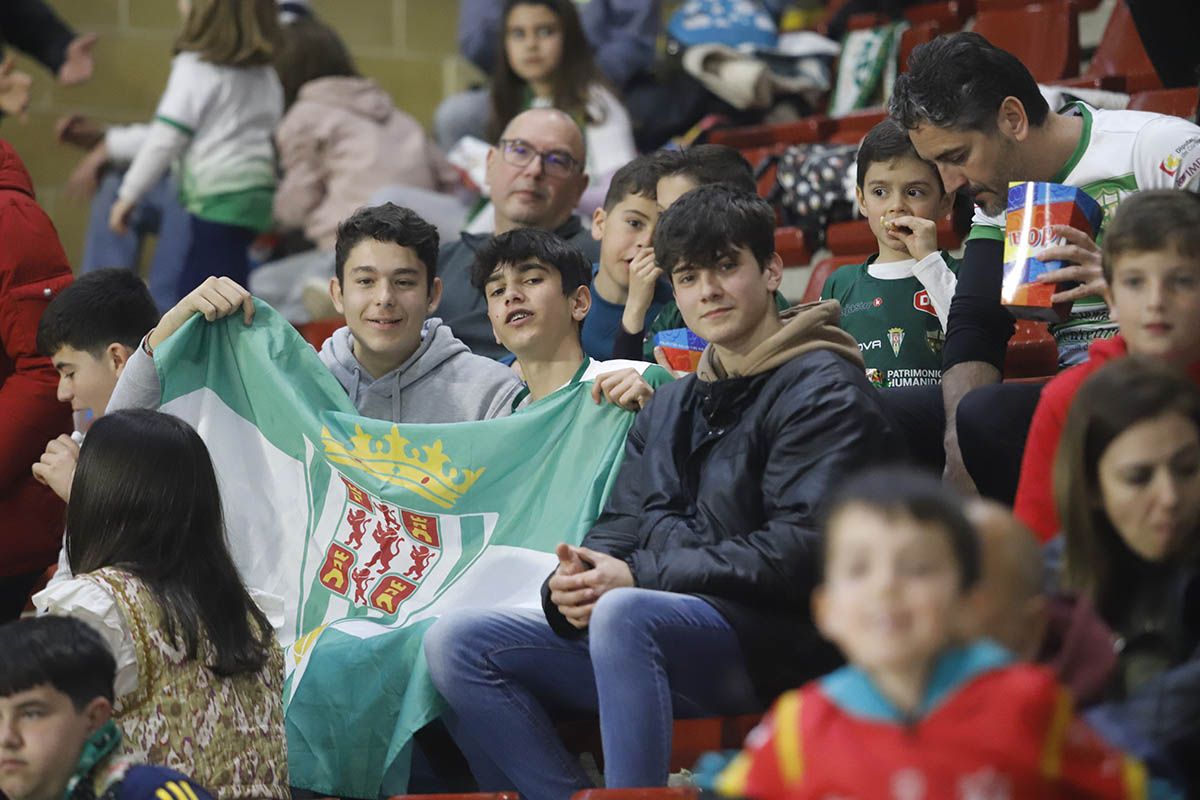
<point x="521" y="153"/>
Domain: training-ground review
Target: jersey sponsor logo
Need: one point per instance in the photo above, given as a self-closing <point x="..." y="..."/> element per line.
<point x="877" y="302"/>
<point x="921" y="302"/>
<point x="895" y="339"/>
<point x="876" y="344"/>
<point x="1170" y="164"/>
<point x="854" y="308"/>
<point x="912" y="377"/>
<point x="1182" y="178"/>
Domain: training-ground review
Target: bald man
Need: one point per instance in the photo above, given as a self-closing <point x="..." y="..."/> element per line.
<point x="536" y="177"/>
<point x="1012" y="606"/>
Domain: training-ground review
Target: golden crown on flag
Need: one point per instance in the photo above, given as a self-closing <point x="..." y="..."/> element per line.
<point x="423" y="470"/>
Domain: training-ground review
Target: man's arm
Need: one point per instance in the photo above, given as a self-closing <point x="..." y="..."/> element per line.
<point x="32" y="27"/>
<point x="977" y="335"/>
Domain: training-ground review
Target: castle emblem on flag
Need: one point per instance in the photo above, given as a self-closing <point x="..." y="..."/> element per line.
<point x="380" y="553"/>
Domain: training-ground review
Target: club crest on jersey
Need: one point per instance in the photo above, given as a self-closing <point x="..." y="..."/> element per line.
<point x="896" y="338"/>
<point x="921" y="302"/>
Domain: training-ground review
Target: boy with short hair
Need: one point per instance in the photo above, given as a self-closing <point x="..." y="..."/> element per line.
<point x="1151" y="263"/>
<point x="57" y="737"/>
<point x="939" y="718"/>
<point x="626" y="289"/>
<point x="679" y="173"/>
<point x="394" y="360"/>
<point x="897" y="302"/>
<point x="688" y="597"/>
<point x="536" y="288"/>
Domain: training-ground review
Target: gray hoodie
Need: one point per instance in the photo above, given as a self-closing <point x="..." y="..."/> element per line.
<point x="442" y="382"/>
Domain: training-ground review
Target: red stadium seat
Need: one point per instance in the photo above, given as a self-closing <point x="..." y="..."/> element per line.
<point x="808" y="129"/>
<point x="657" y="793"/>
<point x="1120" y="63"/>
<point x="1180" y="102"/>
<point x="1044" y="36"/>
<point x="821" y="272"/>
<point x="949" y="16"/>
<point x="845" y="238"/>
<point x="790" y="244"/>
<point x="690" y="738"/>
<point x="315" y="333"/>
<point x="1032" y="352"/>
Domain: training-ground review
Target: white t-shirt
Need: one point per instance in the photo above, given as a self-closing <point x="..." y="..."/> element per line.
<point x="218" y="120"/>
<point x="1119" y="153"/>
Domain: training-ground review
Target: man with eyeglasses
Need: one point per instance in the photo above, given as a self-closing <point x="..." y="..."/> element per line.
<point x="536" y="176"/>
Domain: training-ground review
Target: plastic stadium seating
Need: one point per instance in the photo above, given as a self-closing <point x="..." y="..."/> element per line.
<point x="315" y="333"/>
<point x="1180" y="102"/>
<point x="1032" y="352"/>
<point x="657" y="793"/>
<point x="821" y="272"/>
<point x="1120" y="63"/>
<point x="1044" y="36"/>
<point x="790" y="244"/>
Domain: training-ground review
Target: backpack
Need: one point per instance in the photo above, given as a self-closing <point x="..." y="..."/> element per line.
<point x="814" y="186"/>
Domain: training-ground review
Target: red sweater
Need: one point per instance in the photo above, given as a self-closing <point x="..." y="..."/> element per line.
<point x="33" y="268"/>
<point x="1034" y="504"/>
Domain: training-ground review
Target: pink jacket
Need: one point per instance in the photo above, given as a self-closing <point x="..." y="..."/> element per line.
<point x="340" y="142"/>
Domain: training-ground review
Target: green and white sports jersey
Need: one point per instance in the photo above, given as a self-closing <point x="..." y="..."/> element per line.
<point x="896" y="312"/>
<point x="1119" y="153"/>
<point x="227" y="171"/>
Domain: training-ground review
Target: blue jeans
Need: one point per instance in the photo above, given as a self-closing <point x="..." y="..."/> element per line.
<point x="217" y="249"/>
<point x="160" y="213"/>
<point x="648" y="657"/>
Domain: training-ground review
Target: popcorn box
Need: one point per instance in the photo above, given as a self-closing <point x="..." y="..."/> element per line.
<point x="681" y="347"/>
<point x="1032" y="209"/>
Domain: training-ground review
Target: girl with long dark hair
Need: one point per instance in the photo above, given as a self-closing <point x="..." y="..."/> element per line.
<point x="199" y="674"/>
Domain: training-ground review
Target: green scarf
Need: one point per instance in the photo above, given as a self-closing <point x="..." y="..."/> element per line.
<point x="99" y="746"/>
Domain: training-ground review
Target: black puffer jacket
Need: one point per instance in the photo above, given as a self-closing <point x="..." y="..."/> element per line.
<point x="720" y="496"/>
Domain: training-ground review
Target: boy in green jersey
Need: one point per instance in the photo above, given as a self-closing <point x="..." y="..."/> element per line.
<point x="896" y="304"/>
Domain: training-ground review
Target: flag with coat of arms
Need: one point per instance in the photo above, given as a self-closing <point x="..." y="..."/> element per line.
<point x="369" y="530"/>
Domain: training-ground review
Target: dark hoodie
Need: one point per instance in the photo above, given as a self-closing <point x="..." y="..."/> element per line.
<point x="724" y="480"/>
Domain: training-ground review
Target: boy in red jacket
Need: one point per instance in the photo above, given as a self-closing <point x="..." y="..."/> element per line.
<point x="1151" y="263"/>
<point x="33" y="269"/>
<point x="916" y="713"/>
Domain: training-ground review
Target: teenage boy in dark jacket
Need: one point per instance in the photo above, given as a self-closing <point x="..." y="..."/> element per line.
<point x="689" y="596"/>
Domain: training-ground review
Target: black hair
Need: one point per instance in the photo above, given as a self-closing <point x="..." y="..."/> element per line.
<point x="959" y="81"/>
<point x="61" y="651"/>
<point x="100" y="308"/>
<point x="920" y="496"/>
<point x="145" y="500"/>
<point x="885" y="142"/>
<point x="639" y="177"/>
<point x="388" y="223"/>
<point x="1161" y="219"/>
<point x="709" y="223"/>
<point x="523" y="244"/>
<point x="310" y="49"/>
<point x="573" y="79"/>
<point x="710" y="163"/>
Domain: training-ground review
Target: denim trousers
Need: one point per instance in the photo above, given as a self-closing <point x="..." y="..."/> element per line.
<point x="158" y="214"/>
<point x="648" y="657"/>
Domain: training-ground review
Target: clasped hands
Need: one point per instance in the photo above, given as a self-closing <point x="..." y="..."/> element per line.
<point x="583" y="575"/>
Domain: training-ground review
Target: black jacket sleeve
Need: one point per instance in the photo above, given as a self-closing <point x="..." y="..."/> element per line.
<point x="32" y="27"/>
<point x="814" y="444"/>
<point x="628" y="345"/>
<point x="979" y="327"/>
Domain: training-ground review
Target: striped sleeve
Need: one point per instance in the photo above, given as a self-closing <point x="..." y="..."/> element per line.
<point x="772" y="763"/>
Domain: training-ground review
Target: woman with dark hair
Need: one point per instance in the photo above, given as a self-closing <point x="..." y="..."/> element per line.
<point x="544" y="61"/>
<point x="199" y="674"/>
<point x="1127" y="486"/>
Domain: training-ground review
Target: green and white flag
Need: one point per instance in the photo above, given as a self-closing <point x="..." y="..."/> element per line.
<point x="369" y="530"/>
